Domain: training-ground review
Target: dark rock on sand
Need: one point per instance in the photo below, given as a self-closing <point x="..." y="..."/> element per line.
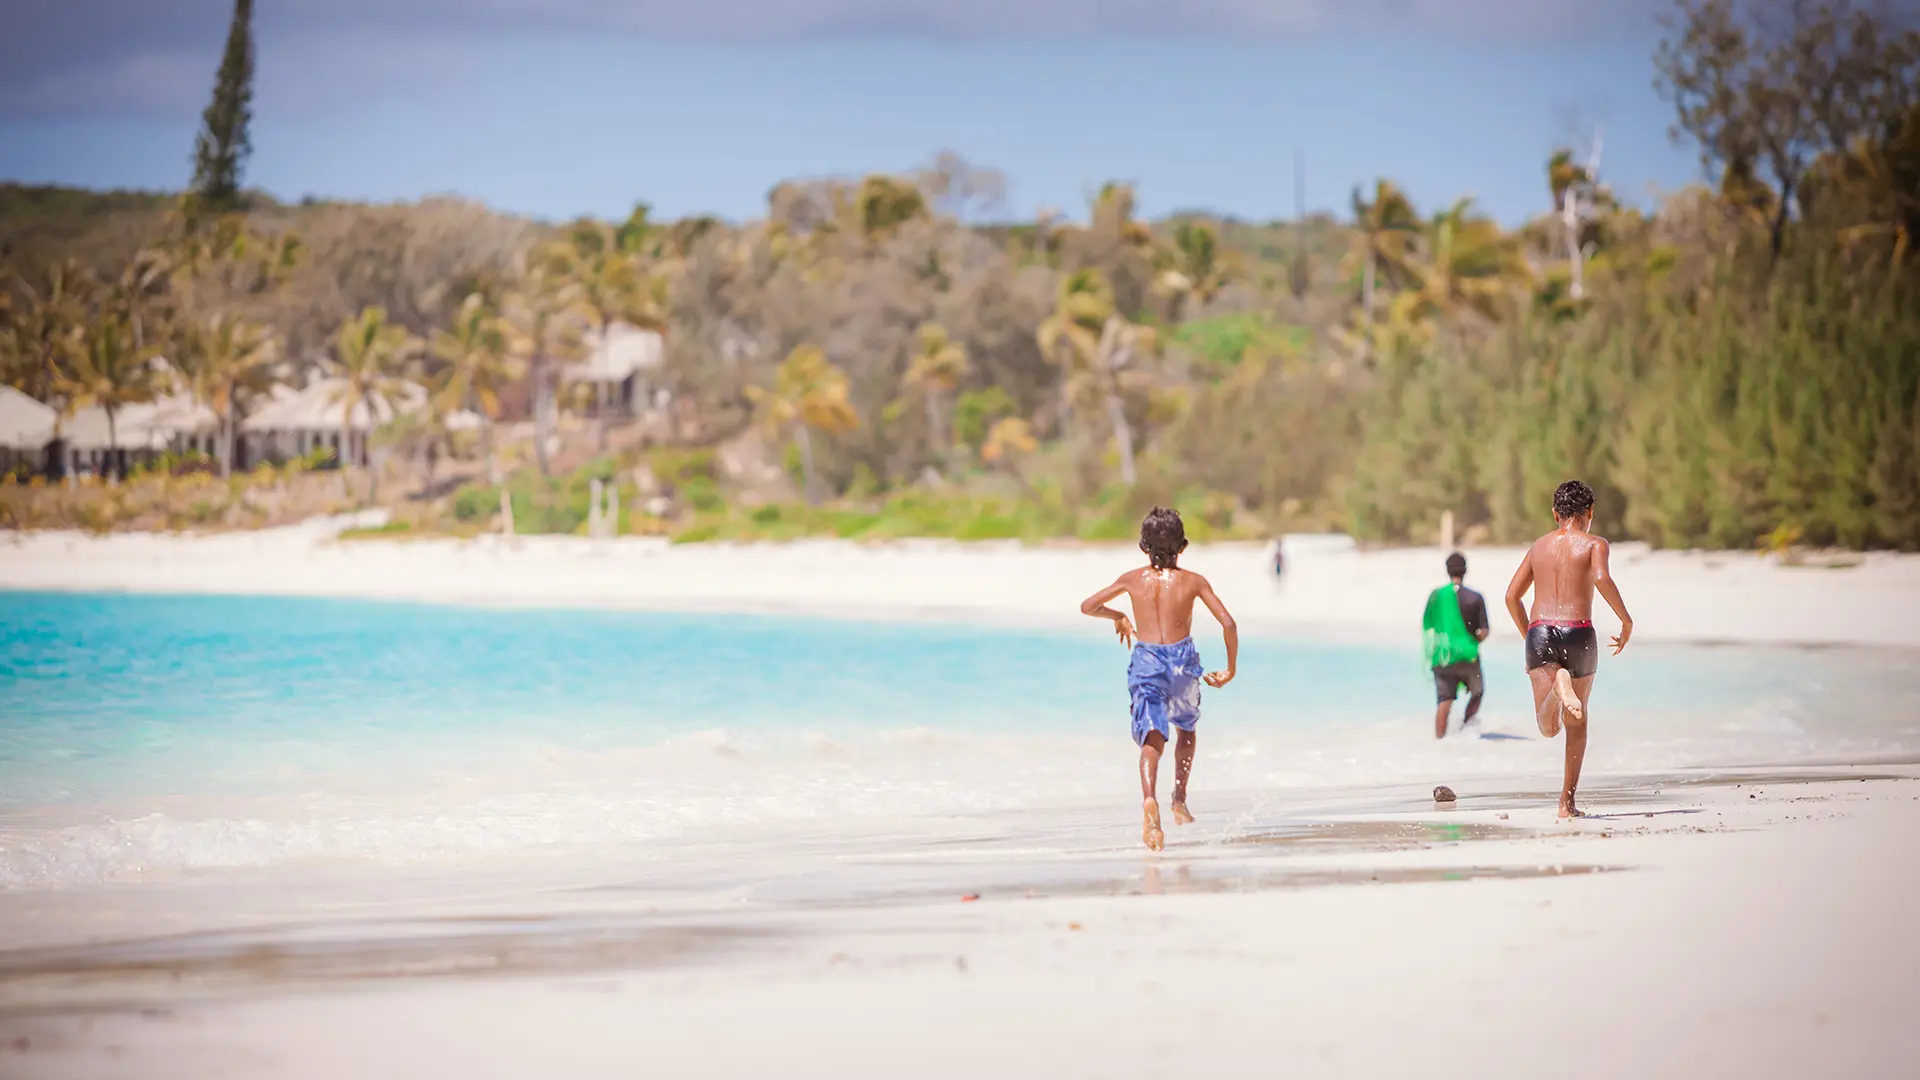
<point x="1443" y="793"/>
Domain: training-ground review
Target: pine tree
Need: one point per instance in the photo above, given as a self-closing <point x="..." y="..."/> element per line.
<point x="220" y="151"/>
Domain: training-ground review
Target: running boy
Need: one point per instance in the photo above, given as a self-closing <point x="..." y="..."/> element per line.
<point x="1564" y="567"/>
<point x="1164" y="674"/>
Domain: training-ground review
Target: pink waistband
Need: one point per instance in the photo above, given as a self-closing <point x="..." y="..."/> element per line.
<point x="1562" y="624"/>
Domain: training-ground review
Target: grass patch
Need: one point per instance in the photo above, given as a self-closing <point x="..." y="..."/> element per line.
<point x="377" y="532"/>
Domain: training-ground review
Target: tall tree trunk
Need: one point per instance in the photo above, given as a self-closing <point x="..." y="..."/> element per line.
<point x="341" y="456"/>
<point x="805" y="439"/>
<point x="1570" y="223"/>
<point x="112" y="469"/>
<point x="1366" y="286"/>
<point x="934" y="438"/>
<point x="600" y="388"/>
<point x="1779" y="233"/>
<point x="1122" y="433"/>
<point x="542" y="404"/>
<point x="486" y="449"/>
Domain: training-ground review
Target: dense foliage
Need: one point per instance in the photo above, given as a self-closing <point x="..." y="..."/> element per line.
<point x="1741" y="365"/>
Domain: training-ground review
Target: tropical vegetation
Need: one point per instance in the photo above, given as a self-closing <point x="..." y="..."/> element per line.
<point x="1736" y="365"/>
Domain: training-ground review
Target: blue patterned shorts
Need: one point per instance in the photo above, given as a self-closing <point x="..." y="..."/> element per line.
<point x="1163" y="682"/>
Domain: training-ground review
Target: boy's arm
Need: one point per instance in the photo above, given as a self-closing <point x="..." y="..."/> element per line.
<point x="1603" y="580"/>
<point x="1228" y="629"/>
<point x="1096" y="605"/>
<point x="1517" y="590"/>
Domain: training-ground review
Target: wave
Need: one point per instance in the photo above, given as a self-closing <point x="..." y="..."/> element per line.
<point x="510" y="798"/>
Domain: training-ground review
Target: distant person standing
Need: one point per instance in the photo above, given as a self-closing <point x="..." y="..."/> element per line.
<point x="1279" y="558"/>
<point x="1454" y="625"/>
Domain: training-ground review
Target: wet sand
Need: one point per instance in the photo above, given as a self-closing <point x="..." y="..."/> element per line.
<point x="1751" y="922"/>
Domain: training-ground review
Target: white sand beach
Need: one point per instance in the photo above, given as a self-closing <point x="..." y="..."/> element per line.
<point x="1753" y="927"/>
<point x="1730" y="918"/>
<point x="1329" y="586"/>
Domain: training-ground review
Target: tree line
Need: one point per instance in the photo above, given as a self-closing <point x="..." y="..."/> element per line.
<point x="1739" y="365"/>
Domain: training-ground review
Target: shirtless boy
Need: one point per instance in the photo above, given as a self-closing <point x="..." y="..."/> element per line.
<point x="1564" y="567"/>
<point x="1164" y="674"/>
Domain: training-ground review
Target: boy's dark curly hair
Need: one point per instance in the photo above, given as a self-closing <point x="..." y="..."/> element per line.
<point x="1571" y="500"/>
<point x="1163" y="537"/>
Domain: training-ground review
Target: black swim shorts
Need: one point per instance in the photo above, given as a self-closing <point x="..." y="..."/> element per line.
<point x="1448" y="678"/>
<point x="1570" y="644"/>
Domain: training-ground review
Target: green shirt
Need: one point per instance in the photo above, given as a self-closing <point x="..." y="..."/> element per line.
<point x="1444" y="628"/>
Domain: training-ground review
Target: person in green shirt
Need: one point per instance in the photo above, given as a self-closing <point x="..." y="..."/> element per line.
<point x="1454" y="625"/>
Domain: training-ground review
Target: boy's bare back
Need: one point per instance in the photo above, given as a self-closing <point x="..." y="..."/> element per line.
<point x="1563" y="567"/>
<point x="1163" y="602"/>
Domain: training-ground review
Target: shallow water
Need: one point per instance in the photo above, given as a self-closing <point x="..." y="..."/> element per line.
<point x="143" y="737"/>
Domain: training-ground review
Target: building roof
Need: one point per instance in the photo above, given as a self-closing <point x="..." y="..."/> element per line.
<point x="145" y="426"/>
<point x="625" y="350"/>
<point x="25" y="424"/>
<point x="320" y="406"/>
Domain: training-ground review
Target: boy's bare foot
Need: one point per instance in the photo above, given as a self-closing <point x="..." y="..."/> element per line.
<point x="1180" y="814"/>
<point x="1568" y="810"/>
<point x="1563" y="686"/>
<point x="1150" y="833"/>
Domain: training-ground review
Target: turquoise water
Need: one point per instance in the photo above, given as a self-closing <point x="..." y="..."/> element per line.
<point x="93" y="683"/>
<point x="338" y="726"/>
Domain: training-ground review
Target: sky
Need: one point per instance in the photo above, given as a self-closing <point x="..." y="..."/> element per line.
<point x="556" y="108"/>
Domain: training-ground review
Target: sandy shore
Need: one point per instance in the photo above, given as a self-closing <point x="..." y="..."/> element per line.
<point x="1712" y="922"/>
<point x="1329" y="587"/>
<point x="1712" y="925"/>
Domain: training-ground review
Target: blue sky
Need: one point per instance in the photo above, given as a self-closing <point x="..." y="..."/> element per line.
<point x="584" y="106"/>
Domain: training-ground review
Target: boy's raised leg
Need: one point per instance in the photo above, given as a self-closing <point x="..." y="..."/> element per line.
<point x="1150" y="832"/>
<point x="1183" y="744"/>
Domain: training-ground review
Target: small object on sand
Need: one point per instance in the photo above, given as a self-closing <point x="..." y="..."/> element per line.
<point x="1073" y="926"/>
<point x="1502" y="817"/>
<point x="970" y="897"/>
<point x="1443" y="793"/>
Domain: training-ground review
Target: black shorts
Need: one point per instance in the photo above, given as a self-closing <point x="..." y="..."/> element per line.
<point x="1574" y="647"/>
<point x="1447" y="679"/>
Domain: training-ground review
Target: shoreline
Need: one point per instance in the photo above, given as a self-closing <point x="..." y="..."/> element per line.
<point x="1700" y="912"/>
<point x="1330" y="589"/>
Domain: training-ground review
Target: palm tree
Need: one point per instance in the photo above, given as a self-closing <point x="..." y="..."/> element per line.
<point x="884" y="203"/>
<point x="1471" y="267"/>
<point x="137" y="293"/>
<point x="369" y="355"/>
<point x="476" y="363"/>
<point x="1195" y="268"/>
<point x="1093" y="344"/>
<point x="809" y="392"/>
<point x="546" y="321"/>
<point x="1009" y="440"/>
<point x="110" y="372"/>
<point x="1388" y="229"/>
<point x="47" y="329"/>
<point x="613" y="286"/>
<point x="939" y="365"/>
<point x="1578" y="198"/>
<point x="221" y="362"/>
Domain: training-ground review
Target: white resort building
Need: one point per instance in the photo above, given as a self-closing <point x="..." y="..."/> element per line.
<point x="297" y="422"/>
